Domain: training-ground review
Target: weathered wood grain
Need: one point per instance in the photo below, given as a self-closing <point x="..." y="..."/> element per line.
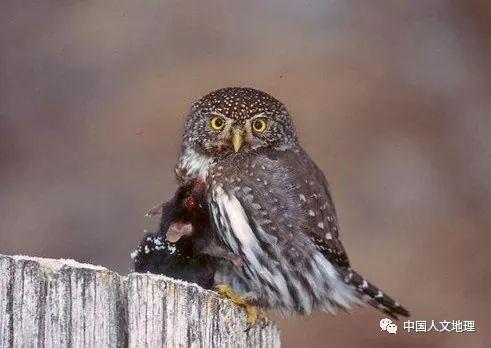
<point x="62" y="303"/>
<point x="59" y="303"/>
<point x="166" y="312"/>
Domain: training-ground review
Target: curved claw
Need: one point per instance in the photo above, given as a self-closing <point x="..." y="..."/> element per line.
<point x="255" y="317"/>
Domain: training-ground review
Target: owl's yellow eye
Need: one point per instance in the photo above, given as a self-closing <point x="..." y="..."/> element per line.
<point x="217" y="123"/>
<point x="259" y="125"/>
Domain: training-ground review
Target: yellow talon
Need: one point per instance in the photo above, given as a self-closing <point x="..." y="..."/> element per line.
<point x="253" y="315"/>
<point x="226" y="291"/>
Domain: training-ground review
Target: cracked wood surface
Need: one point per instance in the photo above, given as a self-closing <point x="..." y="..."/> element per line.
<point x="63" y="303"/>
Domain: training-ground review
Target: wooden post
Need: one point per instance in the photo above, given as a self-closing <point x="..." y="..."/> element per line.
<point x="63" y="303"/>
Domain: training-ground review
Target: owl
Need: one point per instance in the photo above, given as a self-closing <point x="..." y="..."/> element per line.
<point x="270" y="208"/>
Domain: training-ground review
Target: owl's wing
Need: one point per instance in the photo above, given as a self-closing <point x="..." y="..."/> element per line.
<point x="326" y="230"/>
<point x="276" y="198"/>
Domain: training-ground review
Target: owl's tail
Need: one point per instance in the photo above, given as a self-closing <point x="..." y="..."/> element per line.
<point x="372" y="295"/>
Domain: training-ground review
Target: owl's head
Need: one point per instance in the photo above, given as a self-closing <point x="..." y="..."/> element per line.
<point x="235" y="119"/>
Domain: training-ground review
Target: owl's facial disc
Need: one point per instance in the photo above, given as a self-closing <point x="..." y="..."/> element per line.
<point x="228" y="135"/>
<point x="238" y="120"/>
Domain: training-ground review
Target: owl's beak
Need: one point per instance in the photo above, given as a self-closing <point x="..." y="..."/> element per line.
<point x="237" y="139"/>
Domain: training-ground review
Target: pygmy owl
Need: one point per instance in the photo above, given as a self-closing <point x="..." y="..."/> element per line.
<point x="269" y="204"/>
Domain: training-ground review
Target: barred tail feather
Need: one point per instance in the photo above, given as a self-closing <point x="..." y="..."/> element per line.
<point x="372" y="295"/>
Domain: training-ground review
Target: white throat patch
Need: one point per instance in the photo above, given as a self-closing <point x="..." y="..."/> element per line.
<point x="194" y="165"/>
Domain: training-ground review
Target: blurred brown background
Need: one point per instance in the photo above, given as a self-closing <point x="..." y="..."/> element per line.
<point x="391" y="98"/>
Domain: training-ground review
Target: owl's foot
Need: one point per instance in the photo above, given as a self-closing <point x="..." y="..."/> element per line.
<point x="253" y="315"/>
